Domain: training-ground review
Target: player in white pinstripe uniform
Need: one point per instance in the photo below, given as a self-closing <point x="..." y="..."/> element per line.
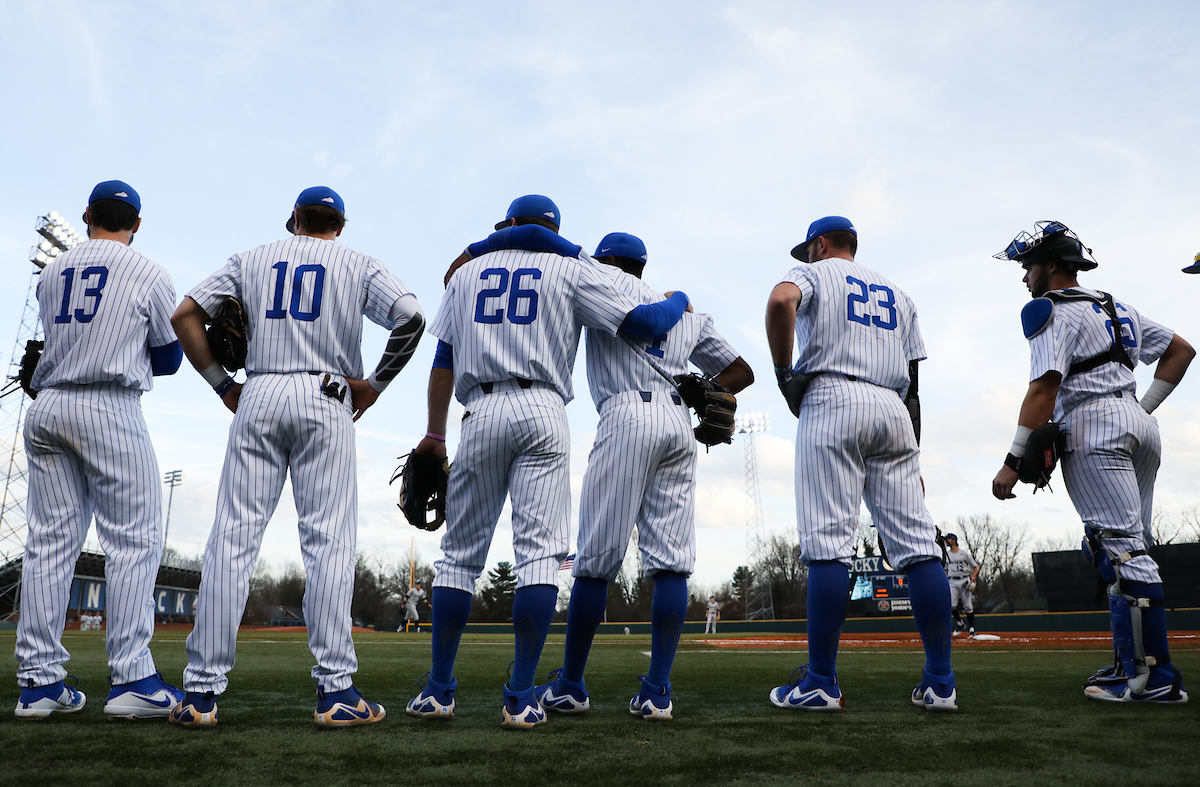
<point x="509" y="327"/>
<point x="642" y="470"/>
<point x="106" y="313"/>
<point x="961" y="571"/>
<point x="855" y="442"/>
<point x="1081" y="376"/>
<point x="304" y="300"/>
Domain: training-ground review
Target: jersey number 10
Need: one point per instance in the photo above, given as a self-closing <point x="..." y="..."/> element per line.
<point x="277" y="312"/>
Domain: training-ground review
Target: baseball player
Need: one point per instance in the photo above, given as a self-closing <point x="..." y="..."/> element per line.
<point x="1084" y="345"/>
<point x="641" y="471"/>
<point x="304" y="299"/>
<point x="961" y="571"/>
<point x="106" y="314"/>
<point x="509" y="327"/>
<point x="415" y="594"/>
<point x="856" y="441"/>
<point x="712" y="615"/>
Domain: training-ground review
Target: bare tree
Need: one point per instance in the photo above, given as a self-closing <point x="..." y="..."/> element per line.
<point x="866" y="539"/>
<point x="998" y="548"/>
<point x="1180" y="527"/>
<point x="782" y="568"/>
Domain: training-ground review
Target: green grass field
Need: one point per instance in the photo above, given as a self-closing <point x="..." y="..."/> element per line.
<point x="1023" y="720"/>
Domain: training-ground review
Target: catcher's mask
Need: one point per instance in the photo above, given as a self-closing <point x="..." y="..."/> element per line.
<point x="1051" y="240"/>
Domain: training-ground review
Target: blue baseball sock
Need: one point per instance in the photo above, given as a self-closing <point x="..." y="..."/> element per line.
<point x="589" y="597"/>
<point x="668" y="608"/>
<point x="929" y="593"/>
<point x="533" y="609"/>
<point x="451" y="609"/>
<point x="828" y="582"/>
<point x="1154" y="619"/>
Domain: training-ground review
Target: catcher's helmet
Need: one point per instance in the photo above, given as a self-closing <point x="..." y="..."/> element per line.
<point x="1051" y="240"/>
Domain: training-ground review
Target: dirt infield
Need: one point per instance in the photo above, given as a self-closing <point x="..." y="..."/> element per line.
<point x="1064" y="640"/>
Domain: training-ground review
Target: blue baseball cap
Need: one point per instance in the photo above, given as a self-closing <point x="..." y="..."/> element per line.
<point x="820" y="227"/>
<point x="532" y="206"/>
<point x="621" y="244"/>
<point x="317" y="195"/>
<point x="118" y="190"/>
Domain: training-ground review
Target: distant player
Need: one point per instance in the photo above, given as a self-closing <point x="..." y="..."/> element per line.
<point x="414" y="595"/>
<point x="509" y="327"/>
<point x="856" y="441"/>
<point x="1084" y="345"/>
<point x="641" y="472"/>
<point x="961" y="571"/>
<point x="106" y="313"/>
<point x="304" y="300"/>
<point x="712" y="613"/>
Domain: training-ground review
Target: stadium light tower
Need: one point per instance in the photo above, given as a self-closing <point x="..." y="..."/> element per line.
<point x="57" y="236"/>
<point x="172" y="479"/>
<point x="759" y="603"/>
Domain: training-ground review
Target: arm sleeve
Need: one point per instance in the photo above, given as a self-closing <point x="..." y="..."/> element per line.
<point x="912" y="400"/>
<point x="166" y="359"/>
<point x="599" y="301"/>
<point x="400" y="347"/>
<point x="443" y="356"/>
<point x="655" y="319"/>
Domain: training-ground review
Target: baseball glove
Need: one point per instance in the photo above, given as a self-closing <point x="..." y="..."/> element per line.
<point x="714" y="404"/>
<point x="423" y="479"/>
<point x="227" y="335"/>
<point x="1042" y="451"/>
<point x="29" y="362"/>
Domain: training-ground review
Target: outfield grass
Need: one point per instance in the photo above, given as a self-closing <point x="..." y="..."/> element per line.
<point x="1023" y="720"/>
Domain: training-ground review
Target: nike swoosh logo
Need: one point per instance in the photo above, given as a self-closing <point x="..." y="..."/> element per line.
<point x="365" y="713"/>
<point x="166" y="702"/>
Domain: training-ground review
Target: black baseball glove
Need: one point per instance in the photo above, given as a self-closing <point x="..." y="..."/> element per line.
<point x="714" y="404"/>
<point x="29" y="362"/>
<point x="227" y="335"/>
<point x="1042" y="452"/>
<point x="423" y="479"/>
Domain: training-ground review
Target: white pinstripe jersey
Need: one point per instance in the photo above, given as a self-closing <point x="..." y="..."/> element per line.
<point x="518" y="313"/>
<point x="959" y="564"/>
<point x="854" y="321"/>
<point x="103" y="306"/>
<point x="304" y="299"/>
<point x="614" y="366"/>
<point x="1080" y="330"/>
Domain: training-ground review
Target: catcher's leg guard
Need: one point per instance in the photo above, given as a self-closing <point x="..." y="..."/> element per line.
<point x="1093" y="550"/>
<point x="1126" y="612"/>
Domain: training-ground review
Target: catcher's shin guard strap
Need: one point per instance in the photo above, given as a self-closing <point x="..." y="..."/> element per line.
<point x="1095" y="553"/>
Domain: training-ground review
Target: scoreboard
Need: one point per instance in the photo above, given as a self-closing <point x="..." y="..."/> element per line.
<point x="877" y="589"/>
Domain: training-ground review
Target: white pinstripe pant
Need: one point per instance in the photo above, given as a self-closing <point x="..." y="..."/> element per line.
<point x="855" y="443"/>
<point x="1112" y="458"/>
<point x="89" y="451"/>
<point x="283" y="422"/>
<point x="641" y="470"/>
<point x="515" y="443"/>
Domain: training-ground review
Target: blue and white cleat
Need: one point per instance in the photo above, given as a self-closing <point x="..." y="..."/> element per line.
<point x="521" y="710"/>
<point x="1162" y="688"/>
<point x="196" y="711"/>
<point x="936" y="692"/>
<point x="436" y="700"/>
<point x="563" y="696"/>
<point x="41" y="701"/>
<point x="345" y="708"/>
<point x="809" y="691"/>
<point x="148" y="698"/>
<point x="653" y="702"/>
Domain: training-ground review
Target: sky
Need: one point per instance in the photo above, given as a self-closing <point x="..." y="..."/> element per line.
<point x="715" y="131"/>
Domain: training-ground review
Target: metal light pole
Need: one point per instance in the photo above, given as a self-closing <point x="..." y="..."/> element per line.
<point x="172" y="479"/>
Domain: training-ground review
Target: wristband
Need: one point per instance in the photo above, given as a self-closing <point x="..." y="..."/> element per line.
<point x="1013" y="463"/>
<point x="224" y="387"/>
<point x="214" y="374"/>
<point x="1158" y="390"/>
<point x="783" y="374"/>
<point x="441" y="438"/>
<point x="1019" y="441"/>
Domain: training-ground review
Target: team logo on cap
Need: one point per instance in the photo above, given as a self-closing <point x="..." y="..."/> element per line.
<point x="327" y="199"/>
<point x="120" y="194"/>
<point x="549" y="214"/>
